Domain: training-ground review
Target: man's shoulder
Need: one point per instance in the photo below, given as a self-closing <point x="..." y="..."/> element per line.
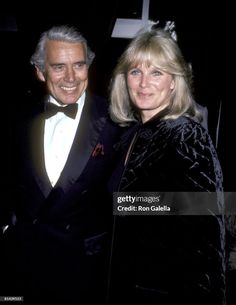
<point x="98" y="100"/>
<point x="28" y="110"/>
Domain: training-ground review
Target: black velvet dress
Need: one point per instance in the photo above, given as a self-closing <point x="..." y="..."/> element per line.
<point x="176" y="258"/>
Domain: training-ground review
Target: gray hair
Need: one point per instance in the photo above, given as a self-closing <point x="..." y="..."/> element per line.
<point x="60" y="33"/>
<point x="153" y="47"/>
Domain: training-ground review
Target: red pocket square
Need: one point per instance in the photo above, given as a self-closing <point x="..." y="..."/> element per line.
<point x="98" y="150"/>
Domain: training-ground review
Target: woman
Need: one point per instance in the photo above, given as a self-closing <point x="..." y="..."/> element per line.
<point x="175" y="258"/>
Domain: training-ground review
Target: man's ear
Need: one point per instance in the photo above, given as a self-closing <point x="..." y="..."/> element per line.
<point x="40" y="75"/>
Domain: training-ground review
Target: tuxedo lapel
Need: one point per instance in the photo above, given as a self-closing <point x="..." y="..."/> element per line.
<point x="87" y="134"/>
<point x="37" y="155"/>
<point x="91" y="123"/>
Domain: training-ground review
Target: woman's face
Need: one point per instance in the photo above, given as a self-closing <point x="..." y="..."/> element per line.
<point x="149" y="89"/>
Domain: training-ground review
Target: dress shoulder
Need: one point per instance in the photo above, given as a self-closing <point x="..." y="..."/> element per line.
<point x="184" y="132"/>
<point x="193" y="147"/>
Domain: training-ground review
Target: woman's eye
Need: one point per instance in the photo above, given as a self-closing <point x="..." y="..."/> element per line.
<point x="134" y="72"/>
<point x="156" y="73"/>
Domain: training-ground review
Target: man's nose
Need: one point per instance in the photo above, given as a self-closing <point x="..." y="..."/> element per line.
<point x="69" y="74"/>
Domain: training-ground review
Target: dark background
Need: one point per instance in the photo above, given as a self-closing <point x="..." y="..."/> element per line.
<point x="201" y="36"/>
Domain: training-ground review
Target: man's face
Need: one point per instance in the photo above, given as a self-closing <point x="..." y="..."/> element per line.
<point x="66" y="71"/>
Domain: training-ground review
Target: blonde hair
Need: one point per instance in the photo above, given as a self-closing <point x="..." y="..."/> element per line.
<point x="156" y="48"/>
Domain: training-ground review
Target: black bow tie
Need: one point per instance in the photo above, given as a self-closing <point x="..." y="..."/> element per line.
<point x="69" y="110"/>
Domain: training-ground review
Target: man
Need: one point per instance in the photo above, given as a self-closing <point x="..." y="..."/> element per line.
<point x="55" y="242"/>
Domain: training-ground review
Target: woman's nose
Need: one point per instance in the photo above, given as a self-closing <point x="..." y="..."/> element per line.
<point x="144" y="81"/>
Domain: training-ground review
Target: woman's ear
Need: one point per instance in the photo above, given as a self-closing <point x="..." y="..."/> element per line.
<point x="172" y="84"/>
<point x="39" y="74"/>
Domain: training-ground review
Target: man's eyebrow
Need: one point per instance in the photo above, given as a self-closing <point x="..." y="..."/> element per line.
<point x="80" y="62"/>
<point x="57" y="64"/>
<point x="63" y="64"/>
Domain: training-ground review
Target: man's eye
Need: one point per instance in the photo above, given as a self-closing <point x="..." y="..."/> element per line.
<point x="80" y="65"/>
<point x="58" y="67"/>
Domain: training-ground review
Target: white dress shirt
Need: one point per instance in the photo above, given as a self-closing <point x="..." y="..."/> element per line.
<point x="59" y="133"/>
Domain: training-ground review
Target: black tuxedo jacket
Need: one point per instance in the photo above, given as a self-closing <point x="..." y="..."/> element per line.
<point x="57" y="240"/>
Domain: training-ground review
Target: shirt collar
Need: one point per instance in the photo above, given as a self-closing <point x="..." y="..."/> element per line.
<point x="80" y="101"/>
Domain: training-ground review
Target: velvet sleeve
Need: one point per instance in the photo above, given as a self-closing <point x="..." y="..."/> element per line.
<point x="196" y="156"/>
<point x="197" y="159"/>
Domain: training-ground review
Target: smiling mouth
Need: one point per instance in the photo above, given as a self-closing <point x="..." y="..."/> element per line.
<point x="68" y="89"/>
<point x="144" y="95"/>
